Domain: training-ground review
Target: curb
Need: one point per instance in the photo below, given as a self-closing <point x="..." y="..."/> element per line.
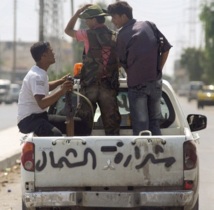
<point x="10" y="147"/>
<point x="10" y="161"/>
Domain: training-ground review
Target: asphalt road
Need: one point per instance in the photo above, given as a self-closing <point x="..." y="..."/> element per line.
<point x="8" y="115"/>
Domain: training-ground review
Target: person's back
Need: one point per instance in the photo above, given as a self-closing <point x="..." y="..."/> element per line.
<point x="138" y="52"/>
<point x="100" y="62"/>
<point x="141" y="62"/>
<point x="99" y="74"/>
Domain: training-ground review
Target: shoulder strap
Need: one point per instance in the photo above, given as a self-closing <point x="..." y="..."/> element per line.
<point x="160" y="42"/>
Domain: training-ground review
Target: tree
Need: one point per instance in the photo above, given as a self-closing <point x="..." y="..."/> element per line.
<point x="192" y="59"/>
<point x="207" y="17"/>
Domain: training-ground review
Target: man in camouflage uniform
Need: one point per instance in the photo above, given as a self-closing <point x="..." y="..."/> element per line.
<point x="99" y="74"/>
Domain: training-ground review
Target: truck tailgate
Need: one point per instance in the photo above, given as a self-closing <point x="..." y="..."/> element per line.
<point x="109" y="161"/>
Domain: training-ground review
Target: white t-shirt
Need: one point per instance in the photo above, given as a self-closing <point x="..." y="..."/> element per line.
<point x="34" y="83"/>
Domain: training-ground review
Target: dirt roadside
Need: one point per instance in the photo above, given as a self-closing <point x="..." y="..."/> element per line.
<point x="10" y="188"/>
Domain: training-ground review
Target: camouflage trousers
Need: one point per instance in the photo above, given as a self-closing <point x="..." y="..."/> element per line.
<point x="106" y="99"/>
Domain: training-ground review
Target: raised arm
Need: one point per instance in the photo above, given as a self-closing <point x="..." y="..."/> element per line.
<point x="69" y="30"/>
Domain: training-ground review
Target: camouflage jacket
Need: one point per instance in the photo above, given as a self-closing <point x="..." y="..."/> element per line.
<point x="95" y="67"/>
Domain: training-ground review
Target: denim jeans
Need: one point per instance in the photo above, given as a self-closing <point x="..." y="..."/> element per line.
<point x="145" y="107"/>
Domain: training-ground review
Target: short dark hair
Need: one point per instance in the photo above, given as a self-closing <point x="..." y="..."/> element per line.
<point x="37" y="50"/>
<point x="100" y="19"/>
<point x="120" y="8"/>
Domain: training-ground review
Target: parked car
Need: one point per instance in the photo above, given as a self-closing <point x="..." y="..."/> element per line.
<point x="205" y="96"/>
<point x="183" y="90"/>
<point x="13" y="94"/>
<point x="4" y="88"/>
<point x="194" y="87"/>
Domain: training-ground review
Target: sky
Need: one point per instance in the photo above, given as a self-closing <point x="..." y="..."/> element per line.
<point x="176" y="19"/>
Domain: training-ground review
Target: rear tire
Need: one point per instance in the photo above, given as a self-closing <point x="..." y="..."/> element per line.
<point x="200" y="105"/>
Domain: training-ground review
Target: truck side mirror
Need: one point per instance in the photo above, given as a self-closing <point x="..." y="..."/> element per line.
<point x="197" y="122"/>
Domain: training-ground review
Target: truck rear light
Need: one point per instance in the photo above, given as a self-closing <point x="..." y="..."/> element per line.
<point x="188" y="185"/>
<point x="190" y="155"/>
<point x="27" y="156"/>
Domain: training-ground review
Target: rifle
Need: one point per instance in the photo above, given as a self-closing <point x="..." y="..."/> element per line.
<point x="69" y="111"/>
<point x="160" y="42"/>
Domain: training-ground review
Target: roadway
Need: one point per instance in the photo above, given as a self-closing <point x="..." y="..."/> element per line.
<point x="8" y="115"/>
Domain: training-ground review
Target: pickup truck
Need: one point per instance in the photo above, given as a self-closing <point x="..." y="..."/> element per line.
<point x="116" y="172"/>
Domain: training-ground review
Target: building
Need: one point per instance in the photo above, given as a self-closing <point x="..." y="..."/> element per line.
<point x="24" y="61"/>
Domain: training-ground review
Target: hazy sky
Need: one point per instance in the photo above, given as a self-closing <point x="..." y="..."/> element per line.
<point x="177" y="19"/>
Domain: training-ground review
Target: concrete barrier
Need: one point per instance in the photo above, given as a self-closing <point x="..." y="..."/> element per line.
<point x="10" y="147"/>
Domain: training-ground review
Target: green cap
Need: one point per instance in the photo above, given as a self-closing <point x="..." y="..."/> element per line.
<point x="92" y="11"/>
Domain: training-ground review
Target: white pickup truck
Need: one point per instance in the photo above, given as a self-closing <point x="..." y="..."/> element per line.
<point x="116" y="172"/>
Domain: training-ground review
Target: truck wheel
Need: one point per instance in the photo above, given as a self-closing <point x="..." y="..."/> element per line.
<point x="200" y="105"/>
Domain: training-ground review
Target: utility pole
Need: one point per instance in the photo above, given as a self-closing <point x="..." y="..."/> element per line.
<point x="13" y="74"/>
<point x="192" y="23"/>
<point x="41" y="20"/>
<point x="51" y="27"/>
<point x="72" y="8"/>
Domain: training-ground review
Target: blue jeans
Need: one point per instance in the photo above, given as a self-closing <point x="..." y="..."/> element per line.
<point x="145" y="110"/>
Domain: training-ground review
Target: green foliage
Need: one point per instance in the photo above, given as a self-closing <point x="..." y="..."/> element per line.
<point x="192" y="60"/>
<point x="207" y="18"/>
<point x="78" y="48"/>
<point x="53" y="75"/>
<point x="200" y="63"/>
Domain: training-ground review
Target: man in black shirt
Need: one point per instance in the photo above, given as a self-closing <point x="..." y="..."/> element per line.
<point x="137" y="49"/>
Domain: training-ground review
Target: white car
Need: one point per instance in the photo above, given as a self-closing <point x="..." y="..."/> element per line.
<point x="4" y="88"/>
<point x="13" y="94"/>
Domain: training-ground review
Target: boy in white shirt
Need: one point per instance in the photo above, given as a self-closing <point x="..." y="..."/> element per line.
<point x="34" y="97"/>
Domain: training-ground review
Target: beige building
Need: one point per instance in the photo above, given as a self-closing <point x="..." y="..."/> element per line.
<point x="24" y="61"/>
